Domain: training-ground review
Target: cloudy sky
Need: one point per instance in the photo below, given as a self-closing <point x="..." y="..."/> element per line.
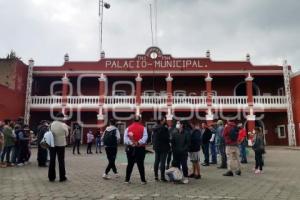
<point x="46" y="29"/>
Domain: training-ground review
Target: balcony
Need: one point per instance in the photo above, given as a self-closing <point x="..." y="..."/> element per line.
<point x="179" y="102"/>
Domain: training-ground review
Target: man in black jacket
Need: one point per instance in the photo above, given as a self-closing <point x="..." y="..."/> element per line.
<point x="206" y="135"/>
<point x="194" y="151"/>
<point x="42" y="153"/>
<point x="161" y="146"/>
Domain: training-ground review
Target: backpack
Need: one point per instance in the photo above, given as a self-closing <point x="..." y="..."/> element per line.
<point x="234" y="134"/>
<point x="174" y="174"/>
<point x="46" y="141"/>
<point x="110" y="138"/>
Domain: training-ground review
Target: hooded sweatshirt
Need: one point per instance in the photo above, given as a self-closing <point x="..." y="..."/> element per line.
<point x="111" y="128"/>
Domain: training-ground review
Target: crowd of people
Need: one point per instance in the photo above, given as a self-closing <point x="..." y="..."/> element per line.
<point x="172" y="145"/>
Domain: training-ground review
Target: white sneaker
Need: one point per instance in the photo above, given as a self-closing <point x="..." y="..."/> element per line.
<point x="117" y="175"/>
<point x="257" y="171"/>
<point x="105" y="176"/>
<point x="185" y="181"/>
<point x="20" y="165"/>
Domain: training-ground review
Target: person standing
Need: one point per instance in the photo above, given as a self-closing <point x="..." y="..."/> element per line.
<point x="194" y="151"/>
<point x="135" y="137"/>
<point x="24" y="137"/>
<point x="212" y="144"/>
<point x="206" y="136"/>
<point x="231" y="133"/>
<point x="1" y="138"/>
<point x="60" y="131"/>
<point x="242" y="141"/>
<point x="181" y="140"/>
<point x="9" y="140"/>
<point x="220" y="143"/>
<point x="259" y="150"/>
<point x="42" y="153"/>
<point x="161" y="146"/>
<point x="77" y="135"/>
<point x="90" y="140"/>
<point x="98" y="141"/>
<point x="111" y="138"/>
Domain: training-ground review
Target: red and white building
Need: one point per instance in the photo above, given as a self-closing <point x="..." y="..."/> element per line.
<point x="154" y="83"/>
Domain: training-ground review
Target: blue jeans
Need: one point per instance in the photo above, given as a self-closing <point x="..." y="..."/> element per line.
<point x="243" y="152"/>
<point x="6" y="151"/>
<point x="213" y="152"/>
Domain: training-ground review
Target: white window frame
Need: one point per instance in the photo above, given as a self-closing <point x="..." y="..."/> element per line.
<point x="281" y="92"/>
<point x="121" y="134"/>
<point x="267" y="94"/>
<point x="123" y="93"/>
<point x="213" y="93"/>
<point x="151" y="92"/>
<point x="163" y="93"/>
<point x="179" y="93"/>
<point x="150" y="123"/>
<point x="279" y="133"/>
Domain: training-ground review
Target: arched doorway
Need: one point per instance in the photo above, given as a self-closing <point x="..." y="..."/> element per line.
<point x="241" y="89"/>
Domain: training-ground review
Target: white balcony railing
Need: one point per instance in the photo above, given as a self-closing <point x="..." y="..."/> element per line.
<point x="262" y="102"/>
<point x="46" y="100"/>
<point x="229" y="101"/>
<point x="120" y="100"/>
<point x="154" y="100"/>
<point x="83" y="100"/>
<point x="270" y="101"/>
<point x="189" y="100"/>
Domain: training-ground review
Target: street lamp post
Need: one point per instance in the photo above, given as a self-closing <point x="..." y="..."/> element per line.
<point x="102" y="5"/>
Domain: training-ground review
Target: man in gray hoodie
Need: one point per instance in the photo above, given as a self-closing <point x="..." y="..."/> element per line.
<point x="110" y="138"/>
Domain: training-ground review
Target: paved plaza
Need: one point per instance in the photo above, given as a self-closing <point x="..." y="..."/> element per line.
<point x="281" y="180"/>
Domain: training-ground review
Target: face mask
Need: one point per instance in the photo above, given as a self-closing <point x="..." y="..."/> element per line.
<point x="178" y="126"/>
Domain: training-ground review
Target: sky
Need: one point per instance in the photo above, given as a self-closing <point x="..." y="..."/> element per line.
<point x="45" y="30"/>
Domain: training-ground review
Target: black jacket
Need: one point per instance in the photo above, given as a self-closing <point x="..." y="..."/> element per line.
<point x="161" y="138"/>
<point x="180" y="141"/>
<point x="206" y="135"/>
<point x="195" y="140"/>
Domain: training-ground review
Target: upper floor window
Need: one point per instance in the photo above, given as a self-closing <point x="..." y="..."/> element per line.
<point x="280" y="92"/>
<point x="213" y="93"/>
<point x="149" y="93"/>
<point x="119" y="93"/>
<point x="179" y="93"/>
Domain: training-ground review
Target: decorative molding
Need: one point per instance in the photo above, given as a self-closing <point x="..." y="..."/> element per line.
<point x="65" y="78"/>
<point x="169" y="78"/>
<point x="102" y="78"/>
<point x="138" y="78"/>
<point x="208" y="78"/>
<point x="251" y="117"/>
<point x="249" y="78"/>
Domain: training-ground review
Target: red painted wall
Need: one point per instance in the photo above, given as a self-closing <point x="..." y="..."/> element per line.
<point x="295" y="86"/>
<point x="12" y="99"/>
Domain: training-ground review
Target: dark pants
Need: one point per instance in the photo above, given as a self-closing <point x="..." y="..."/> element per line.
<point x="16" y="150"/>
<point x="111" y="153"/>
<point x="89" y="148"/>
<point x="6" y="151"/>
<point x="213" y="152"/>
<point x="258" y="160"/>
<point x="60" y="151"/>
<point x="76" y="144"/>
<point x="222" y="150"/>
<point x="98" y="145"/>
<point x="42" y="156"/>
<point x="180" y="161"/>
<point x="135" y="155"/>
<point x="23" y="154"/>
<point x="205" y="148"/>
<point x="243" y="153"/>
<point x="160" y="160"/>
<point x="169" y="158"/>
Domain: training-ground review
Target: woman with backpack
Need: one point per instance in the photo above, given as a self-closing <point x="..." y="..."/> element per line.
<point x="110" y="138"/>
<point x="259" y="149"/>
